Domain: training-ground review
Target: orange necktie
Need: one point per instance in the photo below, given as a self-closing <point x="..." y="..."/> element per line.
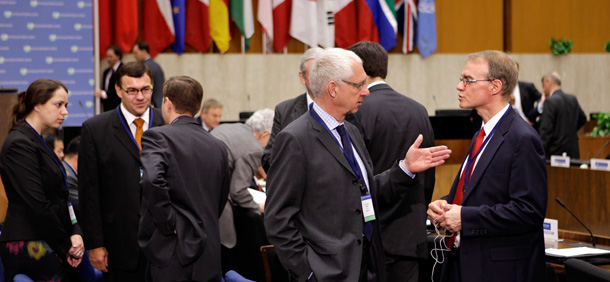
<point x="139" y="131"/>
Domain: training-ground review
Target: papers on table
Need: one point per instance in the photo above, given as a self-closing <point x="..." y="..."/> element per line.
<point x="576" y="252"/>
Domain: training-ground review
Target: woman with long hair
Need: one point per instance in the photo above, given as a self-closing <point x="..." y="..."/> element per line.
<point x="40" y="237"/>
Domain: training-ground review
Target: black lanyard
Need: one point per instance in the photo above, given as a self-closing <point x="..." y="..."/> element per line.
<point x="353" y="163"/>
<point x="124" y="122"/>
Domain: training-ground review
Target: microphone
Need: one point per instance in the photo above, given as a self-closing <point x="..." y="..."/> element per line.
<point x="82" y="107"/>
<point x="583" y="225"/>
<point x="435" y="103"/>
<point x="600" y="150"/>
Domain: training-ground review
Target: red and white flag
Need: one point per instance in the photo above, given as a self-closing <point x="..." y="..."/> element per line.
<point x="197" y="32"/>
<point x="126" y="24"/>
<point x="158" y="25"/>
<point x="281" y="23"/>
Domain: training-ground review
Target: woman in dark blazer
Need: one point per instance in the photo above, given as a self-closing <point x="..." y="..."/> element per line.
<point x="40" y="236"/>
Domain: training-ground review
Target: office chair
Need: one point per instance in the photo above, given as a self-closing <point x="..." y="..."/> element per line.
<point x="579" y="270"/>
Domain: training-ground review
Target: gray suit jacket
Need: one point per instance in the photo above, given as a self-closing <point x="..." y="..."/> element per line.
<point x="391" y="122"/>
<point x="158" y="80"/>
<point x="313" y="213"/>
<point x="244" y="159"/>
<point x="559" y="124"/>
<point x="184" y="188"/>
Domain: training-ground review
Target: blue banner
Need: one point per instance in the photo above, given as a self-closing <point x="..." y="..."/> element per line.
<point x="49" y="39"/>
<point x="426" y="28"/>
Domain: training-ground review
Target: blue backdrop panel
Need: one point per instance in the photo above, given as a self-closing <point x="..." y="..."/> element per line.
<point x="49" y="39"/>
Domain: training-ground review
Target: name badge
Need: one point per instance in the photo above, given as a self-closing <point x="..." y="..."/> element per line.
<point x="367" y="208"/>
<point x="72" y="214"/>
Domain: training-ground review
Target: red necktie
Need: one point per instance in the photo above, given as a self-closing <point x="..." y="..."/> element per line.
<point x="459" y="192"/>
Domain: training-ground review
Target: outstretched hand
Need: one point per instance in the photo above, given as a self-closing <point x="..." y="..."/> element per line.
<point x="419" y="159"/>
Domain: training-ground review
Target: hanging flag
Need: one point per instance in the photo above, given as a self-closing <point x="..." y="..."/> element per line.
<point x="304" y="22"/>
<point x="126" y="24"/>
<point x="426" y="28"/>
<point x="105" y="27"/>
<point x="265" y="18"/>
<point x="346" y="23"/>
<point x="219" y="24"/>
<point x="281" y="23"/>
<point x="406" y="16"/>
<point x="367" y="30"/>
<point x="197" y="24"/>
<point x="384" y="16"/>
<point x="241" y="12"/>
<point x="158" y="25"/>
<point x="326" y="22"/>
<point x="179" y="16"/>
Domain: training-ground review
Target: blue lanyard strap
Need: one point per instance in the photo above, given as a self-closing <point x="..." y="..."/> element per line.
<point x="353" y="163"/>
<point x="470" y="160"/>
<point x="61" y="168"/>
<point x="124" y="122"/>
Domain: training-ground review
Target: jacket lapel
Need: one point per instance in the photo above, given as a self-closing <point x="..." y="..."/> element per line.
<point x="490" y="151"/>
<point x="124" y="137"/>
<point x="330" y="143"/>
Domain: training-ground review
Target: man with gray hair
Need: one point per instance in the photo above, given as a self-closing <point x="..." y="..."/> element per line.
<point x="321" y="197"/>
<point x="496" y="205"/>
<point x="244" y="143"/>
<point x="291" y="109"/>
<point x="561" y="118"/>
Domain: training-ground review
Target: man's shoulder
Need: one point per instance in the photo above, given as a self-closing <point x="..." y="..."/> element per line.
<point x="102" y="119"/>
<point x="383" y="94"/>
<point x="290" y="103"/>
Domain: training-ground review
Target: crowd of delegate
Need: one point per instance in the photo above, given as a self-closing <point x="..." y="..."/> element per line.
<point x="156" y="189"/>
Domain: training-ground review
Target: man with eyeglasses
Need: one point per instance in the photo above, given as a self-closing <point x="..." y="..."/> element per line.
<point x="494" y="212"/>
<point x="109" y="176"/>
<point x="390" y="122"/>
<point x="321" y="206"/>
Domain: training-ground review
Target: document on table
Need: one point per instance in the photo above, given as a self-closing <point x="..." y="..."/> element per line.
<point x="258" y="196"/>
<point x="576" y="252"/>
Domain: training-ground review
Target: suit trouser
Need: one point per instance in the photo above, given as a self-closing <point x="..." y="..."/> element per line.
<point x="451" y="268"/>
<point x="173" y="272"/>
<point x="401" y="268"/>
<point x="120" y="275"/>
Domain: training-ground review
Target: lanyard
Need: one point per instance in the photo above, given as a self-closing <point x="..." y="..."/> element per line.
<point x="124" y="122"/>
<point x="61" y="168"/>
<point x="353" y="163"/>
<point x="470" y="160"/>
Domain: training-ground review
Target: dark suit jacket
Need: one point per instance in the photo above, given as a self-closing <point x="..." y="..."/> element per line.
<point x="185" y="187"/>
<point x="561" y="118"/>
<point x="36" y="192"/>
<point x="285" y="112"/>
<point x="391" y="123"/>
<point x="113" y="100"/>
<point x="158" y="80"/>
<point x="529" y="96"/>
<point x="313" y="211"/>
<point x="109" y="188"/>
<point x="504" y="206"/>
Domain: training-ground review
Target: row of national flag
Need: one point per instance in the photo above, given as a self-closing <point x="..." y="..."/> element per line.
<point x="327" y="23"/>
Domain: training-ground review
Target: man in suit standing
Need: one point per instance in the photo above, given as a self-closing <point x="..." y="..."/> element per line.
<point x="184" y="189"/>
<point x="524" y="98"/>
<point x="321" y="198"/>
<point x="497" y="203"/>
<point x="141" y="52"/>
<point x="245" y="143"/>
<point x="211" y="112"/>
<point x="109" y="176"/>
<point x="110" y="100"/>
<point x="561" y="118"/>
<point x="390" y="122"/>
<point x="291" y="109"/>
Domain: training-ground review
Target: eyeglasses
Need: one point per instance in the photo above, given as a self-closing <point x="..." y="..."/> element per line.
<point x="357" y="85"/>
<point x="468" y="81"/>
<point x="134" y="91"/>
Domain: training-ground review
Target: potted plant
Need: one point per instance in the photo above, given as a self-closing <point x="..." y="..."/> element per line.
<point x="560" y="47"/>
<point x="603" y="125"/>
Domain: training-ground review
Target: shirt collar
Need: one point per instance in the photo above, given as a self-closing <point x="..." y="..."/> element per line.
<point x="309" y="99"/>
<point x="330" y="121"/>
<point x="494" y="120"/>
<point x="129" y="117"/>
<point x="376" y="83"/>
<point x="115" y="67"/>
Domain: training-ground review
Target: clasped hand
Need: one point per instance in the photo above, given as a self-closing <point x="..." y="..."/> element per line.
<point x="446" y="215"/>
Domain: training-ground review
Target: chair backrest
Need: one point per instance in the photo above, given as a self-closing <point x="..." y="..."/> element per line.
<point x="579" y="270"/>
<point x="274" y="272"/>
